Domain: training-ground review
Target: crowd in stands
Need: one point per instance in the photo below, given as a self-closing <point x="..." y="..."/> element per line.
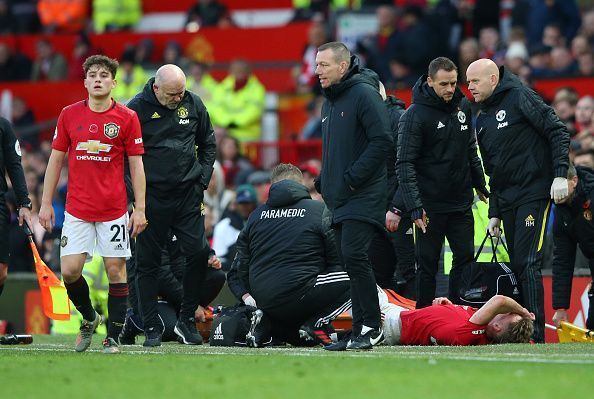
<point x="534" y="39"/>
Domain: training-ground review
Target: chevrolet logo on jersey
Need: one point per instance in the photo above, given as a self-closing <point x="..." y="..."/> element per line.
<point x="93" y="147"/>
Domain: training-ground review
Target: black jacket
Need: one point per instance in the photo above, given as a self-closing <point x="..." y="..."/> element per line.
<point x="523" y="143"/>
<point x="573" y="225"/>
<point x="437" y="160"/>
<point x="356" y="142"/>
<point x="285" y="244"/>
<point x="10" y="161"/>
<point x="396" y="108"/>
<point x="171" y="160"/>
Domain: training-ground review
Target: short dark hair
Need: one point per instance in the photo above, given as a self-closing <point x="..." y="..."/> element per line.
<point x="441" y="63"/>
<point x="284" y="171"/>
<point x="103" y="61"/>
<point x="339" y="49"/>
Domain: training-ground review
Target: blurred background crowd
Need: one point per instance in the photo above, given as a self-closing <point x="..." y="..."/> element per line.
<point x="536" y="39"/>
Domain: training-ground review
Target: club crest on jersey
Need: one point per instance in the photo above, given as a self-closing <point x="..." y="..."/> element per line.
<point x="500" y="116"/>
<point x="111" y="130"/>
<point x="182" y="112"/>
<point x="461" y="117"/>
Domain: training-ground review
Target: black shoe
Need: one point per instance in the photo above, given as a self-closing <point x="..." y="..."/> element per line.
<point x="153" y="337"/>
<point x="340" y="345"/>
<point x="187" y="331"/>
<point x="260" y="333"/>
<point x="324" y="335"/>
<point x="129" y="332"/>
<point x="368" y="340"/>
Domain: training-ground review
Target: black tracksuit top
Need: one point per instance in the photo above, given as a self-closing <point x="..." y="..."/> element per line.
<point x="573" y="225"/>
<point x="285" y="244"/>
<point x="356" y="142"/>
<point x="523" y="143"/>
<point x="171" y="160"/>
<point x="10" y="161"/>
<point x="437" y="163"/>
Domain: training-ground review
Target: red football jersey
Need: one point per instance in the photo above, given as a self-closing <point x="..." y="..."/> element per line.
<point x="441" y="325"/>
<point x="96" y="143"/>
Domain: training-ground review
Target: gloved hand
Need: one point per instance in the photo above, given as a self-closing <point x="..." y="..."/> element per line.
<point x="559" y="190"/>
<point x="249" y="300"/>
<point x="493" y="227"/>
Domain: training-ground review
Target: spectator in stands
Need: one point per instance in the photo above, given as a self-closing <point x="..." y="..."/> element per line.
<point x="490" y="46"/>
<point x="584" y="111"/>
<point x="238" y="103"/>
<point x="564" y="105"/>
<point x="25" y="14"/>
<point x="201" y="82"/>
<point x="114" y="15"/>
<point x="584" y="158"/>
<point x="585" y="65"/>
<point x="217" y="196"/>
<point x="587" y="28"/>
<point x="49" y="64"/>
<point x="207" y="13"/>
<point x="540" y="60"/>
<point x="23" y="121"/>
<point x="131" y="78"/>
<point x="580" y="45"/>
<point x="552" y="37"/>
<point x="13" y="65"/>
<point x="306" y="80"/>
<point x="7" y="23"/>
<point x="172" y="54"/>
<point x="311" y="170"/>
<point x="227" y="229"/>
<point x="143" y="52"/>
<point x="313" y="127"/>
<point x="516" y="57"/>
<point x="562" y="63"/>
<point x="260" y="180"/>
<point x="81" y="51"/>
<point x="564" y="13"/>
<point x="468" y="52"/>
<point x="235" y="166"/>
<point x="415" y="46"/>
<point x="64" y="16"/>
<point x="378" y="49"/>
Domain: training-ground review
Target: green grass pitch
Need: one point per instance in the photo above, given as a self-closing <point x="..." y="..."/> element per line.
<point x="49" y="368"/>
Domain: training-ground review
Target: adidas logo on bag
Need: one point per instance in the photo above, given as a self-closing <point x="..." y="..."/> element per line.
<point x="218" y="333"/>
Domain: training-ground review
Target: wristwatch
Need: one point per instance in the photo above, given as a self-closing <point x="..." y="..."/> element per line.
<point x="27" y="204"/>
<point x="396" y="211"/>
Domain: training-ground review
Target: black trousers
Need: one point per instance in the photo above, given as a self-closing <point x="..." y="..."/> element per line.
<point x="323" y="302"/>
<point x="180" y="213"/>
<point x="353" y="238"/>
<point x="458" y="227"/>
<point x="392" y="256"/>
<point x="525" y="228"/>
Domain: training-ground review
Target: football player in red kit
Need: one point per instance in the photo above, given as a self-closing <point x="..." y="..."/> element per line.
<point x="500" y="320"/>
<point x="96" y="133"/>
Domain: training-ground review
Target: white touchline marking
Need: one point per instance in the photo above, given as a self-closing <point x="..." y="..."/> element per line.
<point x="302" y="352"/>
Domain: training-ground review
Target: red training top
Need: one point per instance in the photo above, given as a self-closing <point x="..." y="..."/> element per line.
<point x="441" y="325"/>
<point x="96" y="143"/>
